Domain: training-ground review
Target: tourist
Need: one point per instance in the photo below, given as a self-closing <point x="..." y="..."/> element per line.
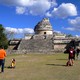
<point x="77" y="52"/>
<point x="13" y="62"/>
<point x="2" y="58"/>
<point x="71" y="55"/>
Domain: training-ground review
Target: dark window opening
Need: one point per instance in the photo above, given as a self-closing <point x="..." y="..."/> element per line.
<point x="44" y="32"/>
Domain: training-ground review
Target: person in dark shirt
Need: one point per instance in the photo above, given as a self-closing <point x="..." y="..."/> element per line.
<point x="77" y="52"/>
<point x="71" y="55"/>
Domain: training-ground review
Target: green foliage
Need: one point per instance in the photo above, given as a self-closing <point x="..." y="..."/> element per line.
<point x="3" y="38"/>
<point x="69" y="35"/>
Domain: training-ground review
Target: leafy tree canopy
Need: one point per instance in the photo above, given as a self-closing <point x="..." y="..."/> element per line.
<point x="69" y="35"/>
<point x="3" y="37"/>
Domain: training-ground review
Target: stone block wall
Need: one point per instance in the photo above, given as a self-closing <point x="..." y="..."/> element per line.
<point x="36" y="45"/>
<point x="49" y="45"/>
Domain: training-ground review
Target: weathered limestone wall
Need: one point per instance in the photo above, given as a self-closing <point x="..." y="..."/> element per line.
<point x="36" y="45"/>
<point x="61" y="43"/>
<point x="59" y="47"/>
<point x="39" y="44"/>
<point x="44" y="32"/>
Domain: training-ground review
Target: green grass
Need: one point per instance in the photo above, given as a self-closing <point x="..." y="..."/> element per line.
<point x="41" y="67"/>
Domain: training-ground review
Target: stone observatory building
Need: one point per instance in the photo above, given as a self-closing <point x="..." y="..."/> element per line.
<point x="42" y="30"/>
<point x="44" y="40"/>
<point x="40" y="41"/>
<point x="43" y="27"/>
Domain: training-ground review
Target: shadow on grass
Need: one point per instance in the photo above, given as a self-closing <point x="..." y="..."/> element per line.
<point x="61" y="59"/>
<point x="9" y="67"/>
<point x="56" y="64"/>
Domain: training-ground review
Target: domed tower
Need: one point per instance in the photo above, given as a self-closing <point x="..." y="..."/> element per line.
<point x="44" y="27"/>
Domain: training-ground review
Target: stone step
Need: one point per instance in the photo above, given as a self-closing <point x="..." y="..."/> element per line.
<point x="36" y="44"/>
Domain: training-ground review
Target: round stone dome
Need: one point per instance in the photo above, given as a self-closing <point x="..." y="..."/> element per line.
<point x="43" y="27"/>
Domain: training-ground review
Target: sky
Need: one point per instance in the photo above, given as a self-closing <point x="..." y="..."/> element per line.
<point x="21" y="16"/>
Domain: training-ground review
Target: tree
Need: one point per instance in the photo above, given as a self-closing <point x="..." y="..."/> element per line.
<point x="10" y="34"/>
<point x="69" y="35"/>
<point x="3" y="37"/>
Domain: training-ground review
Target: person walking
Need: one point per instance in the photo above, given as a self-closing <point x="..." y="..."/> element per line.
<point x="71" y="55"/>
<point x="2" y="58"/>
<point x="77" y="52"/>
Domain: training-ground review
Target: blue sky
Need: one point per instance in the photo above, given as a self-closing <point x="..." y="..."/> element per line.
<point x="20" y="16"/>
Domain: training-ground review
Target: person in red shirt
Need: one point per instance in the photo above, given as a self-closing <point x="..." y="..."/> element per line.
<point x="2" y="58"/>
<point x="71" y="55"/>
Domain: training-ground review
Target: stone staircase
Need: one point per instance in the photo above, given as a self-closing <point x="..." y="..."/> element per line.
<point x="36" y="45"/>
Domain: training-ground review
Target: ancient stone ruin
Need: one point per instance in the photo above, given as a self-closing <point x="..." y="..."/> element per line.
<point x="45" y="40"/>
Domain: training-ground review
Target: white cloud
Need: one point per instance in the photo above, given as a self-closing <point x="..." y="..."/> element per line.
<point x="74" y="23"/>
<point x="70" y="28"/>
<point x="42" y="7"/>
<point x="48" y="14"/>
<point x="19" y="30"/>
<point x="77" y="36"/>
<point x="9" y="29"/>
<point x="20" y="10"/>
<point x="26" y="2"/>
<point x="28" y="30"/>
<point x="65" y="10"/>
<point x="34" y="7"/>
<point x="10" y="2"/>
<point x="53" y="3"/>
<point x="57" y="31"/>
<point x="39" y="7"/>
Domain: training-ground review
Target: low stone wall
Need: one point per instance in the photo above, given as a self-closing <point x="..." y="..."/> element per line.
<point x="34" y="52"/>
<point x="47" y="46"/>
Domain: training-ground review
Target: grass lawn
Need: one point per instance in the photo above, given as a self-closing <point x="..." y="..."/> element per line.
<point x="41" y="67"/>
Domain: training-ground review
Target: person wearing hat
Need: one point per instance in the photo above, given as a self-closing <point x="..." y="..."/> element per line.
<point x="2" y="58"/>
